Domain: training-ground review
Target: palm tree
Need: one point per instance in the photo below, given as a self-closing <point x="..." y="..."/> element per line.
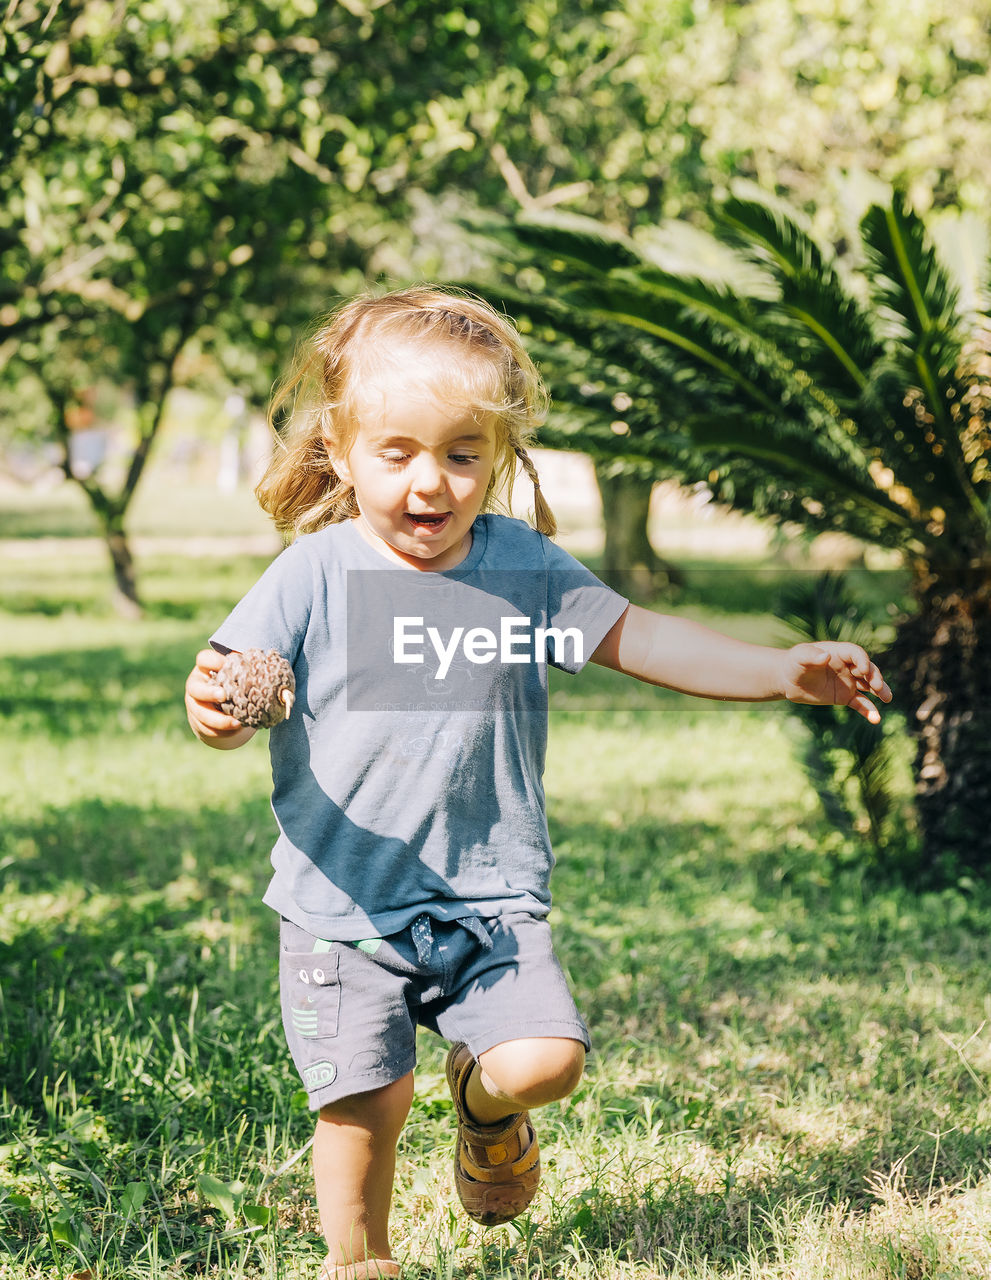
<point x="859" y="403"/>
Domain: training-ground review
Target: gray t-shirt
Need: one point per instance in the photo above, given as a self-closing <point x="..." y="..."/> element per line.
<point x="408" y="778"/>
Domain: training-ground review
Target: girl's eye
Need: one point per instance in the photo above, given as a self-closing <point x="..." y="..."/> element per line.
<point x="464" y="459"/>
<point x="394" y="459"/>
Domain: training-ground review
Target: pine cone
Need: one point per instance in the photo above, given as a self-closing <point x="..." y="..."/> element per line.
<point x="258" y="687"/>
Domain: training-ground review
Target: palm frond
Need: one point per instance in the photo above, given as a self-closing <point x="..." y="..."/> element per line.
<point x="576" y="421"/>
<point x="714" y="333"/>
<point x="575" y="240"/>
<point x="769" y="235"/>
<point x="820" y="323"/>
<point x="730" y="311"/>
<point x="922" y="304"/>
<point x="786" y="497"/>
<point x="532" y="311"/>
<point x="704" y="347"/>
<point x="540" y="238"/>
<point x="928" y="472"/>
<point x="788" y="393"/>
<point x="667" y="345"/>
<point x="567" y="336"/>
<point x="795" y="456"/>
<point x="908" y="278"/>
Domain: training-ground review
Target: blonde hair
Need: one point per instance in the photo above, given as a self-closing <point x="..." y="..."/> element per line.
<point x="315" y="407"/>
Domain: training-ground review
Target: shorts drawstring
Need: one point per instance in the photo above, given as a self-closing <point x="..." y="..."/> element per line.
<point x="423" y="938"/>
<point x="423" y="935"/>
<point x="477" y="930"/>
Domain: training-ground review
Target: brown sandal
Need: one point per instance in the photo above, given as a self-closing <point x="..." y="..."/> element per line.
<point x="496" y="1166"/>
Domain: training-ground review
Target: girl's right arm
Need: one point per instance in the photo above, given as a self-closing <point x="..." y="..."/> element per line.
<point x="207" y="721"/>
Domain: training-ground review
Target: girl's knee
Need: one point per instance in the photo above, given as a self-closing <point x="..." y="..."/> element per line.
<point x="377" y="1110"/>
<point x="534" y="1071"/>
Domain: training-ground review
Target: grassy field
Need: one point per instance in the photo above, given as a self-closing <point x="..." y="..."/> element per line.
<point x="790" y="1076"/>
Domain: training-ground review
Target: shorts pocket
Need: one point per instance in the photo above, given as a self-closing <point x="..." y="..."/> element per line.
<point x="311" y="993"/>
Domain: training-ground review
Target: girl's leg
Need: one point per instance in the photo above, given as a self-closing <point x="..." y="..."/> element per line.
<point x="497" y="1156"/>
<point x="354" y="1162"/>
<point x="520" y="1074"/>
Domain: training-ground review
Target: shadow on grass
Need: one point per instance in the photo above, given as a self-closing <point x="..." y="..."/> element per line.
<point x="100" y="1005"/>
<point x="667" y="1218"/>
<point x="171" y="587"/>
<point x="120" y="918"/>
<point x="744" y="588"/>
<point x="69" y="694"/>
<point x="675" y="941"/>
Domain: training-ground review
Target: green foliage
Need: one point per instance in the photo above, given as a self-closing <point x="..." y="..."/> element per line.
<point x="220" y="157"/>
<point x="183" y="185"/>
<point x="857" y="768"/>
<point x="794" y="397"/>
<point x="813" y="98"/>
<point x="828" y="398"/>
<point x="169" y="177"/>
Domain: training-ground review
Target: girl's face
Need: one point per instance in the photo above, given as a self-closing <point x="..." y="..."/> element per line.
<point x="421" y="471"/>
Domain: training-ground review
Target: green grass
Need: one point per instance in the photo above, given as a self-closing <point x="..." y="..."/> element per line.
<point x="790" y="1076"/>
<point x="166" y="504"/>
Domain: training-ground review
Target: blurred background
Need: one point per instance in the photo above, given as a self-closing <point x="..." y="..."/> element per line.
<point x="184" y="187"/>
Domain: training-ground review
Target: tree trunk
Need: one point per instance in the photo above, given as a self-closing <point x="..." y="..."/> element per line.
<point x="151" y="391"/>
<point x="943" y="654"/>
<point x="629" y="563"/>
<point x="126" y="599"/>
<point x="109" y="512"/>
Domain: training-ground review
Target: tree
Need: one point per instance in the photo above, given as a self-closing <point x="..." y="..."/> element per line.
<point x="261" y="156"/>
<point x="662" y="106"/>
<point x="189" y="180"/>
<point x="148" y="195"/>
<point x="858" y="404"/>
<point x="819" y="102"/>
<point x="629" y="562"/>
<point x="197" y="179"/>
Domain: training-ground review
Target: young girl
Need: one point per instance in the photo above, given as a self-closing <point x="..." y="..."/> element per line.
<point x="412" y="864"/>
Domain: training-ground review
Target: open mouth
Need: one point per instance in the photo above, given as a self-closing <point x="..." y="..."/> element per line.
<point x="429" y="523"/>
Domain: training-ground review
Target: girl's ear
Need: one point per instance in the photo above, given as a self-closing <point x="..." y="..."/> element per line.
<point x="339" y="461"/>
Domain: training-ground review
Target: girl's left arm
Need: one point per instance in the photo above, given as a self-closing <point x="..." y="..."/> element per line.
<point x="691" y="658"/>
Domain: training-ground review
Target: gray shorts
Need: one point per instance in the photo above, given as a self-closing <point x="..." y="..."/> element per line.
<point x="351" y="1009"/>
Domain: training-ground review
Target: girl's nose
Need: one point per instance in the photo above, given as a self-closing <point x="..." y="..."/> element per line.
<point x="428" y="475"/>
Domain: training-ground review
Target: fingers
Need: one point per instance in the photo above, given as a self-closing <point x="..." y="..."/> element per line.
<point x="864" y="707"/>
<point x="201" y="686"/>
<point x="208" y="662"/>
<point x="866" y="673"/>
<point x="210" y="718"/>
<point x="842" y="674"/>
<point x="201" y="689"/>
<point x="203" y="696"/>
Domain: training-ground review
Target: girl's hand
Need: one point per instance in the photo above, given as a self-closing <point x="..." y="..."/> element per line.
<point x="831" y="673"/>
<point x="207" y="721"/>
